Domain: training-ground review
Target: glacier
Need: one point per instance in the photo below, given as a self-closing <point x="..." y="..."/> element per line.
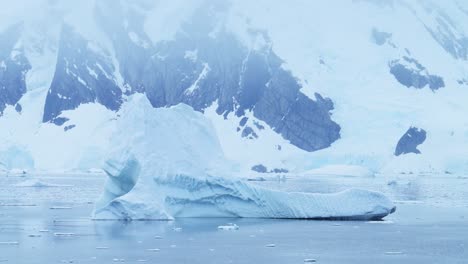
<point x="160" y="170"/>
<point x="290" y="96"/>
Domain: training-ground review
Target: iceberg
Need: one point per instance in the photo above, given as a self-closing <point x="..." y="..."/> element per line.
<point x="16" y="158"/>
<point x="168" y="163"/>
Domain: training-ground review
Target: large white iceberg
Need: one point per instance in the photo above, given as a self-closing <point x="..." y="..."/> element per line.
<point x="168" y="163"/>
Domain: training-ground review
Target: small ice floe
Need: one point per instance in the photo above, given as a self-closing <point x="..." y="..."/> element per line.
<point x="252" y="236"/>
<point x="34" y="235"/>
<point x="211" y="249"/>
<point x="270" y="245"/>
<point x="44" y="231"/>
<point x="309" y="260"/>
<point x="18" y="172"/>
<point x="68" y="261"/>
<point x="39" y="184"/>
<point x="256" y="179"/>
<point x="102" y="248"/>
<point x="393" y="253"/>
<point x="18" y="205"/>
<point x="64" y="234"/>
<point x="177" y="229"/>
<point x="408" y="202"/>
<point x="142" y="260"/>
<point x="228" y="227"/>
<point x="118" y="260"/>
<point x="173" y="246"/>
<point x="153" y="249"/>
<point x="13" y="243"/>
<point x="60" y="207"/>
<point x="336" y="224"/>
<point x="394" y="183"/>
<point x="380" y="222"/>
<point x="158" y="237"/>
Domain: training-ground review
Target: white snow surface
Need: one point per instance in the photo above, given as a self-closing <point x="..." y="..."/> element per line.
<point x="160" y="169"/>
<point x="371" y="107"/>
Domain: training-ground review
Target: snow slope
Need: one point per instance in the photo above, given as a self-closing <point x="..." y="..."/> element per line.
<point x="377" y="61"/>
<point x="160" y="170"/>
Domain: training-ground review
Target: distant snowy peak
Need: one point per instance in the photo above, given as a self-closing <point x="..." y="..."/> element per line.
<point x="287" y="85"/>
<point x="204" y="64"/>
<point x="82" y="75"/>
<point x="443" y="26"/>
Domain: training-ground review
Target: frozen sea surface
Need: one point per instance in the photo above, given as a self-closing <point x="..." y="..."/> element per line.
<point x="51" y="224"/>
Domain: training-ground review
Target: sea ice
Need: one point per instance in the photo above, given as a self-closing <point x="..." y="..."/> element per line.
<point x="39" y="184"/>
<point x="228" y="227"/>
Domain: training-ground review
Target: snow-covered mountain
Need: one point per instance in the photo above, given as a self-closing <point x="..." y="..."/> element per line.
<point x="288" y="85"/>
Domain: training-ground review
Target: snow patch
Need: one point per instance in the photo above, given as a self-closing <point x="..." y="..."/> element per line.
<point x="201" y="76"/>
<point x="191" y="55"/>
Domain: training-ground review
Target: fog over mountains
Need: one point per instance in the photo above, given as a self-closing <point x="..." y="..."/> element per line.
<point x="288" y="86"/>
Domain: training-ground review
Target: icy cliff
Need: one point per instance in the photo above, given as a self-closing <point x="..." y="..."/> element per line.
<point x="162" y="169"/>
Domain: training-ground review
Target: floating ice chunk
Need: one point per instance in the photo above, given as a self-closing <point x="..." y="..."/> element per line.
<point x="34" y="235"/>
<point x="59" y="207"/>
<point x="171" y="175"/>
<point x="102" y="248"/>
<point x="341" y="170"/>
<point x="153" y="249"/>
<point x="18" y="205"/>
<point x="393" y="253"/>
<point x="39" y="184"/>
<point x="310" y="260"/>
<point x="228" y="227"/>
<point x="270" y="245"/>
<point x="380" y="222"/>
<point x="157" y="237"/>
<point x="16" y="159"/>
<point x="64" y="234"/>
<point x="9" y="243"/>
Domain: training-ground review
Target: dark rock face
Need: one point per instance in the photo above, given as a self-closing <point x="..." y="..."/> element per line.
<point x="243" y="121"/>
<point x="81" y="76"/>
<point x="409" y="142"/>
<point x="13" y="68"/>
<point x="380" y="37"/>
<point x="260" y="168"/>
<point x="263" y="169"/>
<point x="447" y="35"/>
<point x="462" y="82"/>
<point x="68" y="127"/>
<point x="249" y="133"/>
<point x="204" y="64"/>
<point x="411" y="73"/>
<point x="18" y="108"/>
